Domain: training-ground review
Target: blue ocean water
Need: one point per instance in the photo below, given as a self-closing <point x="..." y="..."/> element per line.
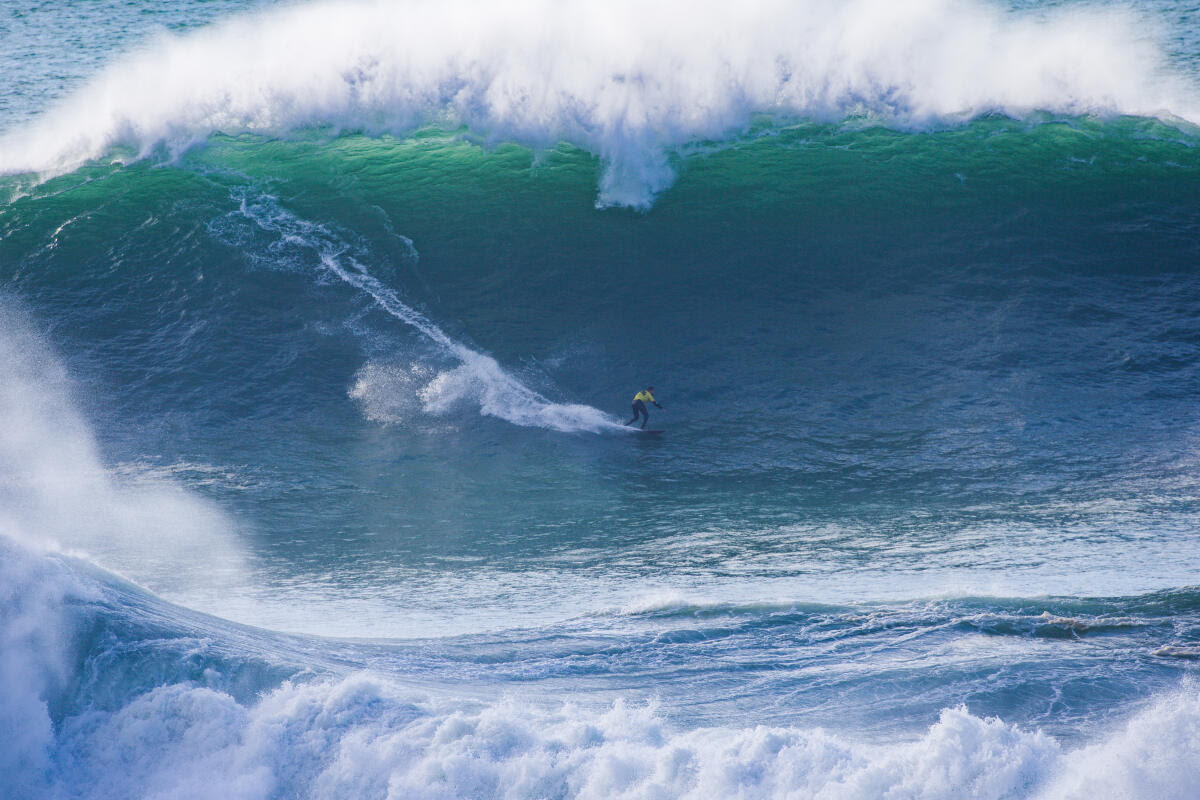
<point x="319" y="324"/>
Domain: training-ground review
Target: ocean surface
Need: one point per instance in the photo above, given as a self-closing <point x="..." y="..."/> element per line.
<point x="319" y="326"/>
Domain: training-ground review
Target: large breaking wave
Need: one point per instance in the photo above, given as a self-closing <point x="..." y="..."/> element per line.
<point x="629" y="82"/>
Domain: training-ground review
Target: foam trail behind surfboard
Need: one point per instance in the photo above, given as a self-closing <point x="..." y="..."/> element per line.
<point x="479" y="378"/>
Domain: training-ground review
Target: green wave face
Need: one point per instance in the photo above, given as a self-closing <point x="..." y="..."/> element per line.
<point x="844" y="319"/>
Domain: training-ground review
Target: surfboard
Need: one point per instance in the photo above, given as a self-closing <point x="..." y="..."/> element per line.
<point x="655" y="431"/>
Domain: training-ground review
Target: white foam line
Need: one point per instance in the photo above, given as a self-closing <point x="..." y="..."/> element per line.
<point x="498" y="393"/>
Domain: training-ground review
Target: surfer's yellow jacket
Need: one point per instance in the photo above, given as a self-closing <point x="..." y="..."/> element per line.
<point x="645" y="397"/>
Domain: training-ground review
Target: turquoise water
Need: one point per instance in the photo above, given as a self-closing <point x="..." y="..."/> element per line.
<point x="319" y="324"/>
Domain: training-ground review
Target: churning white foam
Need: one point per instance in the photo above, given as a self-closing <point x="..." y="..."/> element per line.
<point x="624" y="79"/>
<point x="34" y="664"/>
<point x="393" y="393"/>
<point x="366" y="735"/>
<point x="362" y="736"/>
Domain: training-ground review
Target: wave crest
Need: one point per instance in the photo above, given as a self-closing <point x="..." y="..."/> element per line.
<point x="624" y="80"/>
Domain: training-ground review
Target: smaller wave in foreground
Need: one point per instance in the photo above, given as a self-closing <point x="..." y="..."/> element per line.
<point x="364" y="735"/>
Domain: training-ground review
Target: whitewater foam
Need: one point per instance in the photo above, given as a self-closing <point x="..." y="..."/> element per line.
<point x="627" y="81"/>
<point x="365" y="736"/>
<point x="34" y="664"/>
<point x="179" y="730"/>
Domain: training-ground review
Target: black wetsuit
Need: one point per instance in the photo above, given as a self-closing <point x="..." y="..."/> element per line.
<point x="639" y="407"/>
<point x="639" y="410"/>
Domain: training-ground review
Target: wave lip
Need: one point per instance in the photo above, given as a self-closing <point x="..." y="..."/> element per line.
<point x="626" y="81"/>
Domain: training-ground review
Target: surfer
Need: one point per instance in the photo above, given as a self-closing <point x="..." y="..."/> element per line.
<point x="639" y="405"/>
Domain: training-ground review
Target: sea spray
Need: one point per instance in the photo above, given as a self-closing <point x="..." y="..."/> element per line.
<point x="56" y="490"/>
